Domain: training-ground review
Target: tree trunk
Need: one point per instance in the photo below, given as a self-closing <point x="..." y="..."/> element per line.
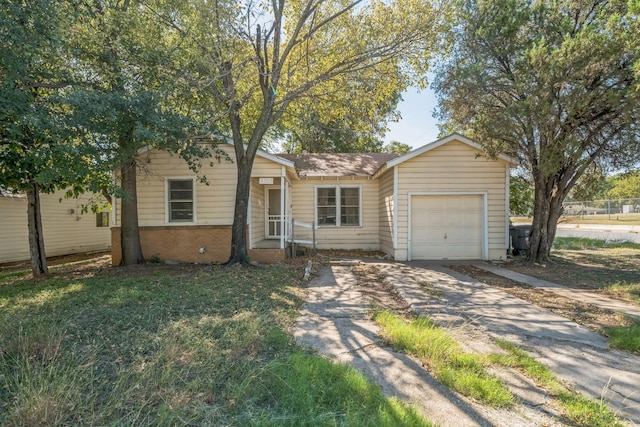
<point x="546" y="212"/>
<point x="36" y="235"/>
<point x="239" y="228"/>
<point x="129" y="229"/>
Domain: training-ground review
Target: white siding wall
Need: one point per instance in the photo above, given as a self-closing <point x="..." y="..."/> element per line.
<point x="454" y="167"/>
<point x="364" y="237"/>
<point x="14" y="234"/>
<point x="386" y="212"/>
<point x="214" y="202"/>
<point x="64" y="233"/>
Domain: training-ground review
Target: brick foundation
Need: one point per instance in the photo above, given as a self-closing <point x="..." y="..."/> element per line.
<point x="267" y="256"/>
<point x="182" y="243"/>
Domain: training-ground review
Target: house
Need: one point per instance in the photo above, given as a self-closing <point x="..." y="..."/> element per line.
<point x="66" y="229"/>
<point x="445" y="200"/>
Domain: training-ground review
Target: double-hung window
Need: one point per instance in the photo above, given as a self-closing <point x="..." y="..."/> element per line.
<point x="180" y="198"/>
<point x="338" y="206"/>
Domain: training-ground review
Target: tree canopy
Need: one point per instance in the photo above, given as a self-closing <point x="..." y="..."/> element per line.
<point x="132" y="96"/>
<point x="85" y="85"/>
<point x="624" y="185"/>
<point x="551" y="83"/>
<point x="40" y="150"/>
<point x="268" y="63"/>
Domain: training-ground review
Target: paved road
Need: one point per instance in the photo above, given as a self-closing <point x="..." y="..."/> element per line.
<point x="602" y="234"/>
<point x="600" y="231"/>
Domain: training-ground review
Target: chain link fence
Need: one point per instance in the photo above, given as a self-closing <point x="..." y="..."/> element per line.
<point x="614" y="210"/>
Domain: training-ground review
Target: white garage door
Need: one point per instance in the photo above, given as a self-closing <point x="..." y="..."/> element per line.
<point x="446" y="227"/>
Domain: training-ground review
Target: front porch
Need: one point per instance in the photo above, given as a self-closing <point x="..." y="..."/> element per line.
<point x="271" y="229"/>
<point x="270" y="207"/>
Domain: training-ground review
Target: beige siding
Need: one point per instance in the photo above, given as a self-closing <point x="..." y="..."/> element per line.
<point x="386" y="212"/>
<point x="454" y="167"/>
<point x="266" y="168"/>
<point x="257" y="211"/>
<point x="364" y="237"/>
<point x="13" y="229"/>
<point x="291" y="175"/>
<point x="64" y="233"/>
<point x="214" y="202"/>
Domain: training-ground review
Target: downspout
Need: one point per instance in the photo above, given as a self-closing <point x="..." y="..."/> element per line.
<point x="395" y="208"/>
<point x="506" y="206"/>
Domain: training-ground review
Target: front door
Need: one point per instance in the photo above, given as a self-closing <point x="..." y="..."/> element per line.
<point x="274" y="213"/>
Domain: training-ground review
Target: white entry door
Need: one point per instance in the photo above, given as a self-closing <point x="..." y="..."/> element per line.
<point x="274" y="213"/>
<point x="447" y="227"/>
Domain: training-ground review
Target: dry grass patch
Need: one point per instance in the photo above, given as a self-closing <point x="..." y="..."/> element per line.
<point x="611" y="269"/>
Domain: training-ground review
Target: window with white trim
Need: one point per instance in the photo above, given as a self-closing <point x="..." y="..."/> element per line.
<point x="102" y="219"/>
<point x="180" y="200"/>
<point x="338" y="206"/>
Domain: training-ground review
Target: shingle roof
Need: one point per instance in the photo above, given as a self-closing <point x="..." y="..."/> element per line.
<point x="338" y="164"/>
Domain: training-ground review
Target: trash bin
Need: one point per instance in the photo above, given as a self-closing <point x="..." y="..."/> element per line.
<point x="519" y="237"/>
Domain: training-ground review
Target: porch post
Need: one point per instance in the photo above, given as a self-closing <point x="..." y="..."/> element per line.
<point x="283" y="221"/>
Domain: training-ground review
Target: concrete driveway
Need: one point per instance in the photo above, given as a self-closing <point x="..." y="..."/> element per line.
<point x="335" y="323"/>
<point x="580" y="357"/>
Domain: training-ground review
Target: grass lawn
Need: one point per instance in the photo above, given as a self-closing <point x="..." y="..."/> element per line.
<point x="180" y="345"/>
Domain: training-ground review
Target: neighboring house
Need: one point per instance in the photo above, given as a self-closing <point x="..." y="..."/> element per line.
<point x="444" y="200"/>
<point x="66" y="230"/>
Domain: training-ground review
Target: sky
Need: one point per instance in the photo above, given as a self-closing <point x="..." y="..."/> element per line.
<point x="417" y="126"/>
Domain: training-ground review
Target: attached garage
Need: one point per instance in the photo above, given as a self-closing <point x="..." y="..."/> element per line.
<point x="445" y="200"/>
<point x="447" y="226"/>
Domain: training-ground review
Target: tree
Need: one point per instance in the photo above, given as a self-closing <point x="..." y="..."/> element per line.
<point x="258" y="60"/>
<point x="39" y="152"/>
<point x="352" y="120"/>
<point x="520" y="195"/>
<point x="592" y="185"/>
<point x="397" y="147"/>
<point x="130" y="97"/>
<point x="625" y="185"/>
<point x="551" y="83"/>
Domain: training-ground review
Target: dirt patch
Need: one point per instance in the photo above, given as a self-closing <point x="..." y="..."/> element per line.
<point x="56" y="261"/>
<point x="82" y="266"/>
<point x="75" y="266"/>
<point x="587" y="315"/>
<point x="377" y="290"/>
<point x="608" y="269"/>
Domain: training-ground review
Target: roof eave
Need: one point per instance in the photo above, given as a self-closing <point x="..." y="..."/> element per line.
<point x="260" y="153"/>
<point x="382" y="169"/>
<point x="435" y="144"/>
